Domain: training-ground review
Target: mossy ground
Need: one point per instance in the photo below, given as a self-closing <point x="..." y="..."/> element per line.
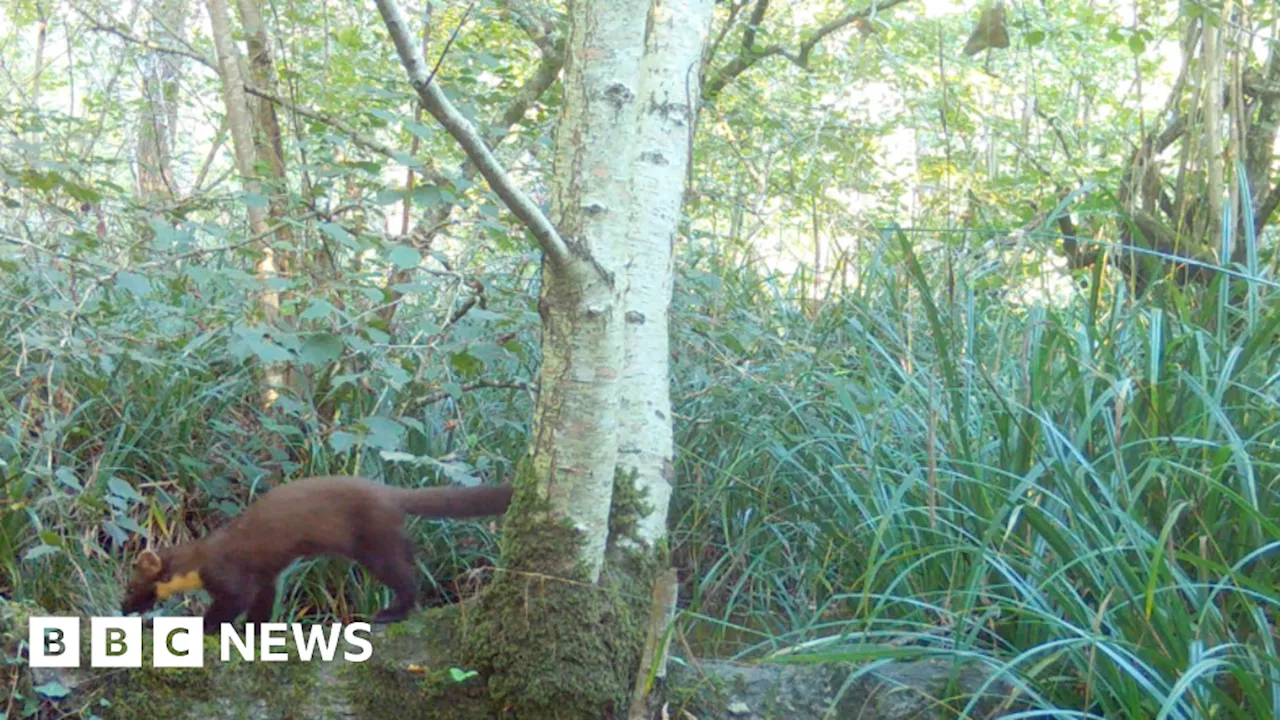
<point x="544" y="644"/>
<point x="234" y="690"/>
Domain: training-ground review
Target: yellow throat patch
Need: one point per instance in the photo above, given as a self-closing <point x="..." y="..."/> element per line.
<point x="179" y="584"/>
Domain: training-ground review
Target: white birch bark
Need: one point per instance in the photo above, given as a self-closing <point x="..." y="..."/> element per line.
<point x="610" y="234"/>
<point x="575" y="436"/>
<point x="669" y="92"/>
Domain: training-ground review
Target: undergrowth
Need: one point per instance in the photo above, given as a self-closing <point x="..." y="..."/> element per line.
<point x="1079" y="490"/>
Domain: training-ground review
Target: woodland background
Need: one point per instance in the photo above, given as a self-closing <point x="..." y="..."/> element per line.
<point x="972" y="354"/>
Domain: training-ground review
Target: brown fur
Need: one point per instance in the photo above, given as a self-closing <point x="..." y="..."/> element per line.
<point x="332" y="515"/>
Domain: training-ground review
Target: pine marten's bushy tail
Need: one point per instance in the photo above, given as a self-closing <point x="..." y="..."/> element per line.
<point x="456" y="502"/>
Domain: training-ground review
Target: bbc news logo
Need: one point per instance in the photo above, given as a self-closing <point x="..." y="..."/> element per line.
<point x="178" y="642"/>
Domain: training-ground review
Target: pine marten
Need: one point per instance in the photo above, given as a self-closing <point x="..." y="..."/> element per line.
<point x="354" y="517"/>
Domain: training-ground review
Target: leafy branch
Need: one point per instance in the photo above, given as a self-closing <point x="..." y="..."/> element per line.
<point x="748" y="54"/>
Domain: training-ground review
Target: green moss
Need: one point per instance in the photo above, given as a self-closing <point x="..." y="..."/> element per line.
<point x="700" y="696"/>
<point x="629" y="504"/>
<point x="235" y="689"/>
<point x="385" y="687"/>
<point x="550" y="643"/>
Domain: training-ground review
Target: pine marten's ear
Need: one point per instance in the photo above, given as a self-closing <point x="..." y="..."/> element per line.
<point x="149" y="563"/>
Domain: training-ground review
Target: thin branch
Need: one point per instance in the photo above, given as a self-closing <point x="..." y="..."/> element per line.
<point x="359" y="139"/>
<point x="748" y="56"/>
<point x="533" y="88"/>
<point x="541" y="32"/>
<point x="482" y="384"/>
<point x="434" y="100"/>
<point x="730" y="22"/>
<point x="449" y="43"/>
<point x="148" y="45"/>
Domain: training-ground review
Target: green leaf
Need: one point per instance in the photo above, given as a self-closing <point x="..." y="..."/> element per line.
<point x="466" y="364"/>
<point x="52" y="689"/>
<point x="254" y="200"/>
<point x="384" y="433"/>
<point x="484" y="315"/>
<point x="134" y="283"/>
<point x="67" y="477"/>
<point x="1034" y="38"/>
<point x="460" y="675"/>
<point x="123" y="489"/>
<point x="40" y="551"/>
<point x="318" y="309"/>
<point x="131" y="525"/>
<point x="422" y="131"/>
<point x="115" y="532"/>
<point x="339" y="235"/>
<point x="388" y="197"/>
<point x="321" y="348"/>
<point x="341" y="441"/>
<point x="426" y="196"/>
<point x="404" y="257"/>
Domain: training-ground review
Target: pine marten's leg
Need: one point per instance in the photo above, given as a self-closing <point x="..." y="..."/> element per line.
<point x="231" y="591"/>
<point x="263" y="603"/>
<point x="224" y="609"/>
<point x="392" y="563"/>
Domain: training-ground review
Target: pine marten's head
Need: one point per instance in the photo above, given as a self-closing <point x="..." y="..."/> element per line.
<point x="141" y="593"/>
<point x="154" y="578"/>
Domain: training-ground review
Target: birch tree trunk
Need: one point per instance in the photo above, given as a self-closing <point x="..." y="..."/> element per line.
<point x="560" y="630"/>
<point x="241" y="122"/>
<point x="669" y="94"/>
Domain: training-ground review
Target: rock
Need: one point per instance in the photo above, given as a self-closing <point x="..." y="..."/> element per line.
<point x="919" y="690"/>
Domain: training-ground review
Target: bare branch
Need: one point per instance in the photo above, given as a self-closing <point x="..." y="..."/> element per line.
<point x="434" y="100"/>
<point x="748" y="56"/>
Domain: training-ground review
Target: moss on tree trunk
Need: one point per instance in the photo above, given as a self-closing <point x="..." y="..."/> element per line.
<point x="552" y="646"/>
